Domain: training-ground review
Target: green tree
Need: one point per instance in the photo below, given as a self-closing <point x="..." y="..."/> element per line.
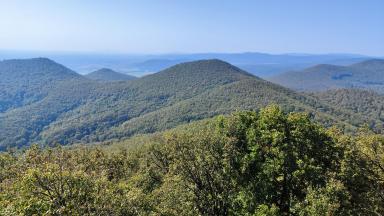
<point x="363" y="174"/>
<point x="254" y="160"/>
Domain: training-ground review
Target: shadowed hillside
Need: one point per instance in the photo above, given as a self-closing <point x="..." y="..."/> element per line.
<point x="106" y="74"/>
<point x="367" y="75"/>
<point x="367" y="103"/>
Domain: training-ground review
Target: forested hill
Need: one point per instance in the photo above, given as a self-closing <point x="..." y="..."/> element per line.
<point x="106" y="74"/>
<point x="368" y="74"/>
<point x="26" y="81"/>
<point x="31" y="70"/>
<point x="69" y="108"/>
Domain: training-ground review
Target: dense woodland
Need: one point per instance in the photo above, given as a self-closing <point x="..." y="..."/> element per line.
<point x="247" y="163"/>
<point x="106" y="74"/>
<point x="367" y="103"/>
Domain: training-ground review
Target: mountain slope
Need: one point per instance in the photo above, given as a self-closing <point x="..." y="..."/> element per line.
<point x="367" y="75"/>
<point x="248" y="94"/>
<point x="83" y="110"/>
<point x="121" y="102"/>
<point x="106" y="74"/>
<point x="180" y="94"/>
<point x="367" y="103"/>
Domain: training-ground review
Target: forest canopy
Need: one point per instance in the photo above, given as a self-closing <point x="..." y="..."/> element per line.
<point x="247" y="163"/>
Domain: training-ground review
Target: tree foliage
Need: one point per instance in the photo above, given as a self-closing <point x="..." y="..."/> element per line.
<point x="248" y="163"/>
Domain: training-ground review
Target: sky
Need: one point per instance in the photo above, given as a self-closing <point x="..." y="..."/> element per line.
<point x="193" y="26"/>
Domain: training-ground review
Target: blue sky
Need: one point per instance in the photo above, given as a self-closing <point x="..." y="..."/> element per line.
<point x="189" y="26"/>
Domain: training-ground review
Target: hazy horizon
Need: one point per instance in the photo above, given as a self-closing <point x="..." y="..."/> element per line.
<point x="47" y="54"/>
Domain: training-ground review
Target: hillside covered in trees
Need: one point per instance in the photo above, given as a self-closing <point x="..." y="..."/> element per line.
<point x="44" y="102"/>
<point x="248" y="163"/>
<point x="106" y="74"/>
<point x="23" y="82"/>
<point x="367" y="103"/>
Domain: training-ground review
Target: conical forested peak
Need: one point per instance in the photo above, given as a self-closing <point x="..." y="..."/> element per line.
<point x="106" y="74"/>
<point x="211" y="68"/>
<point x="35" y="68"/>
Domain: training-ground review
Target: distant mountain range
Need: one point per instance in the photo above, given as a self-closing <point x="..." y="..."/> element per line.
<point x="368" y="74"/>
<point x="106" y="74"/>
<point x="260" y="64"/>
